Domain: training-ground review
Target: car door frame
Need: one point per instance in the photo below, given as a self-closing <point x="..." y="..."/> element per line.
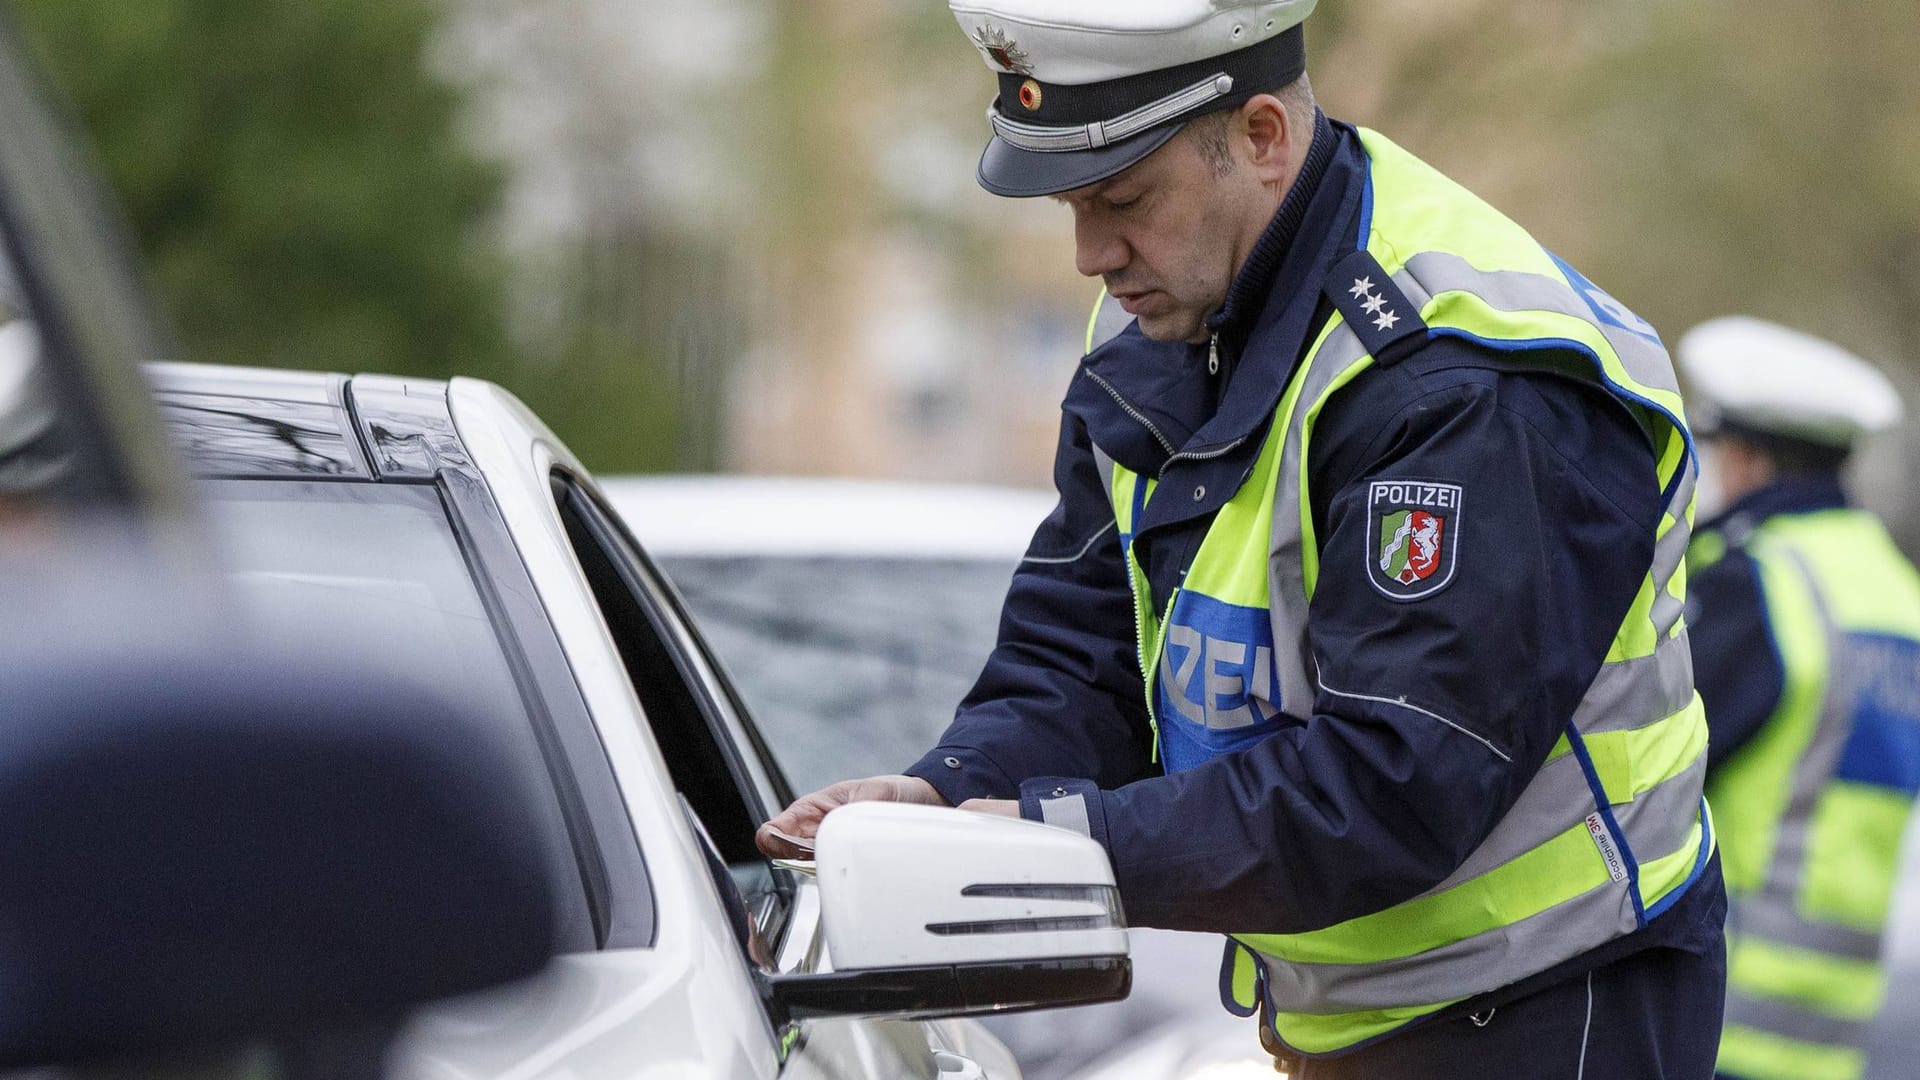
<point x="842" y="1049"/>
<point x="694" y="950"/>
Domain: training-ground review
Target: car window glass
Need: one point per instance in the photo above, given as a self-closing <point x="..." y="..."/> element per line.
<point x="376" y="568"/>
<point x="851" y="665"/>
<point x="727" y="788"/>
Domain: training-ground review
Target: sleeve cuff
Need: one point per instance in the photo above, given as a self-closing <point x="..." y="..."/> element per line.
<point x="1068" y="804"/>
<point x="959" y="774"/>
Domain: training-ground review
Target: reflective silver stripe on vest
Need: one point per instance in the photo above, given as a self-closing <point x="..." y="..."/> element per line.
<point x="1489" y="961"/>
<point x="1109" y="320"/>
<point x="1516" y="290"/>
<point x="1785" y="1019"/>
<point x="1103" y="463"/>
<point x="1287" y="583"/>
<point x="1765" y="918"/>
<point x="1658" y="822"/>
<point x="1817" y="762"/>
<point x="1627" y="692"/>
<point x="1671" y="550"/>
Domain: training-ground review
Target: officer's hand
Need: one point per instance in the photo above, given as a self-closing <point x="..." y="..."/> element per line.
<point x="803" y="818"/>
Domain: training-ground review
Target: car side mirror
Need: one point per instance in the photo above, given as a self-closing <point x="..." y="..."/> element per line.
<point x="934" y="912"/>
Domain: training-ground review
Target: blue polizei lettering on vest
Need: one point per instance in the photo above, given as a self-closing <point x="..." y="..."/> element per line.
<point x="1216" y="688"/>
<point x="1884" y="746"/>
<point x="1605" y="307"/>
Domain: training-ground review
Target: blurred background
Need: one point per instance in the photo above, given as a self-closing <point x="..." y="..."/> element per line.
<point x="743" y="235"/>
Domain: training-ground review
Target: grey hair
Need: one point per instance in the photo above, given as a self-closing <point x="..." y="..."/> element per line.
<point x="1209" y="132"/>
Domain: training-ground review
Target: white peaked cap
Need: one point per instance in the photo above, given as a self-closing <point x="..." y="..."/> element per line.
<point x="1087" y="88"/>
<point x="1074" y="42"/>
<point x="1768" y="378"/>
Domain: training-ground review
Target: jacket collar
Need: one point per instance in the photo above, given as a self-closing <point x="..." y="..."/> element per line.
<point x="1247" y="295"/>
<point x="1802" y="493"/>
<point x="1143" y="401"/>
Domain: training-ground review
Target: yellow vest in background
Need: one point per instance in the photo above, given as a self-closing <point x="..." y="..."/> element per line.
<point x="1813" y="808"/>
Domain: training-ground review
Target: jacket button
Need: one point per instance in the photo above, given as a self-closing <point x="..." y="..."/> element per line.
<point x="1200" y="493"/>
<point x="953" y="763"/>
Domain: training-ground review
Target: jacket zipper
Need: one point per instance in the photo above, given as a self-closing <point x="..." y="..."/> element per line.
<point x="1165" y="444"/>
<point x="1128" y="408"/>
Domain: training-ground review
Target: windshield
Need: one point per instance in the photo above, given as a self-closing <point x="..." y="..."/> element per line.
<point x="379" y="566"/>
<point x="850" y="665"/>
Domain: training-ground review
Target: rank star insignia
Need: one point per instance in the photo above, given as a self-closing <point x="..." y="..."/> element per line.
<point x="1361" y="287"/>
<point x="1385" y="321"/>
<point x="1001" y="49"/>
<point x="1374" y="304"/>
<point x="1413" y="536"/>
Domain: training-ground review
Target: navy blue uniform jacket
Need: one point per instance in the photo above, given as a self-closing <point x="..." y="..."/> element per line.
<point x="1736" y="664"/>
<point x="1359" y="803"/>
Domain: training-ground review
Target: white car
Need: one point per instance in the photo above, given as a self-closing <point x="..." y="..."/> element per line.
<point x="853" y="616"/>
<point x="460" y="544"/>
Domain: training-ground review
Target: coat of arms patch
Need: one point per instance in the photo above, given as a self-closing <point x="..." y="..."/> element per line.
<point x="1413" y="536"/>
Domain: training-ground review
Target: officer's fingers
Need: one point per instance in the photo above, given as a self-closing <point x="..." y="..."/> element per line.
<point x="802" y="819"/>
<point x="773" y="845"/>
<point x="799" y="822"/>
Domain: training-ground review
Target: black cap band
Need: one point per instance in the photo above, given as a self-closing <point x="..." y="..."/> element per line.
<point x="1257" y="69"/>
<point x="1037" y="168"/>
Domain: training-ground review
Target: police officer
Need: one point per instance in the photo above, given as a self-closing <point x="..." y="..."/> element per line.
<point x="1806" y="639"/>
<point x="1356" y="632"/>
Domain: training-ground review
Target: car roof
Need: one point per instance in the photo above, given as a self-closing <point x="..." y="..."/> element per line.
<point x="791" y="516"/>
<point x="259" y="422"/>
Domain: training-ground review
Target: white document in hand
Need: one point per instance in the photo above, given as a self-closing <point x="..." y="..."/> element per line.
<point x="796" y="841"/>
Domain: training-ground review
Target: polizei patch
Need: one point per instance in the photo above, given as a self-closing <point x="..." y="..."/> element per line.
<point x="1413" y="533"/>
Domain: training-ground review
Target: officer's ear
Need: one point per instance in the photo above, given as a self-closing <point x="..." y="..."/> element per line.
<point x="1268" y="137"/>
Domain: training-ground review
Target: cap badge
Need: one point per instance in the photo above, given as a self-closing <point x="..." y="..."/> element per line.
<point x="1001" y="49"/>
<point x="1030" y="95"/>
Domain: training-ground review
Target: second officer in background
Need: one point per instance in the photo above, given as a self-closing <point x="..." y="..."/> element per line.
<point x="1805" y="624"/>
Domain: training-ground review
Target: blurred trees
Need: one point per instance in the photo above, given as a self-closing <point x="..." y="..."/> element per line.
<point x="292" y="175"/>
<point x="761" y="212"/>
<point x="1695" y="157"/>
<point x="302" y="187"/>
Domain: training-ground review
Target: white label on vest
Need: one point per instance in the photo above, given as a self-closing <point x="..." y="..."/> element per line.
<point x="1602" y="839"/>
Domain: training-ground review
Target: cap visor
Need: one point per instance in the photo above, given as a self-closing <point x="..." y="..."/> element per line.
<point x="1005" y="169"/>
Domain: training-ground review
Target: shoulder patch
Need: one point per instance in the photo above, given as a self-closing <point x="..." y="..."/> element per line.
<point x="1380" y="315"/>
<point x="1413" y="536"/>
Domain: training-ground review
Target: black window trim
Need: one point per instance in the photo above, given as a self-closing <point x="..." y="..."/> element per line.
<point x="728" y="716"/>
<point x="612" y="865"/>
<point x="728" y="722"/>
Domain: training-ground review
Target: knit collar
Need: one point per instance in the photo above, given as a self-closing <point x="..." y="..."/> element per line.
<point x="1253" y="284"/>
